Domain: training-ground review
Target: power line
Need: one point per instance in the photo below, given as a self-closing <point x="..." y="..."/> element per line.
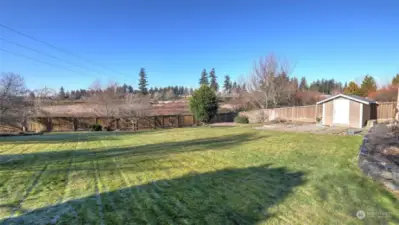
<point x="48" y="55"/>
<point x="57" y="48"/>
<point x="36" y="60"/>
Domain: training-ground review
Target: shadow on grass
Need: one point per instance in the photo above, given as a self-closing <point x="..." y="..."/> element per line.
<point x="140" y="157"/>
<point x="229" y="196"/>
<point x="65" y="137"/>
<point x="356" y="188"/>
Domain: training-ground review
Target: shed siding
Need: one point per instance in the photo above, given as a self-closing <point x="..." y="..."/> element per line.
<point x="328" y="113"/>
<point x="354" y="114"/>
<point x="366" y="113"/>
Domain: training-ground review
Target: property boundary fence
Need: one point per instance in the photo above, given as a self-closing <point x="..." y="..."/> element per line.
<point x="310" y="113"/>
<point x="51" y="124"/>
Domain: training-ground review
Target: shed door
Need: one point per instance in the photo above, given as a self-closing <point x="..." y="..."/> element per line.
<point x="341" y="111"/>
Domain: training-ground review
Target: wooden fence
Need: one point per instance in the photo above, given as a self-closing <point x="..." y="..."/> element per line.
<point x="307" y="113"/>
<point x="152" y="122"/>
<point x="310" y="113"/>
<point x="386" y="110"/>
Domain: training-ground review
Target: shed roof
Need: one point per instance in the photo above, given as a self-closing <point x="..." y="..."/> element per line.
<point x="350" y="97"/>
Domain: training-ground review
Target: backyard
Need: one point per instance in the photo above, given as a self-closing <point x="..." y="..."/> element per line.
<point x="207" y="175"/>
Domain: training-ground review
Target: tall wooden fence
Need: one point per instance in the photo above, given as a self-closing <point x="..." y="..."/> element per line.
<point x="307" y="113"/>
<point x="386" y="110"/>
<point x="310" y="113"/>
<point x="151" y="122"/>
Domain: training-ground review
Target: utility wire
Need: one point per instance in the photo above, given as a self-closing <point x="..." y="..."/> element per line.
<point x="48" y="55"/>
<point x="36" y="60"/>
<point x="57" y="48"/>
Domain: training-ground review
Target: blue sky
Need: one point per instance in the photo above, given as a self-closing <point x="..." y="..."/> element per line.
<point x="174" y="40"/>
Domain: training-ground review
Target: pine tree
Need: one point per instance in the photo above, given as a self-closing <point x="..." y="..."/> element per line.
<point x="130" y="89"/>
<point x="352" y="89"/>
<point x="214" y="84"/>
<point x="227" y="84"/>
<point x="125" y="90"/>
<point x="143" y="82"/>
<point x="368" y="85"/>
<point x="186" y="91"/>
<point x="204" y="78"/>
<point x="61" y="94"/>
<point x="204" y="104"/>
<point x="234" y="85"/>
<point x="181" y="90"/>
<point x="304" y="84"/>
<point x="395" y="80"/>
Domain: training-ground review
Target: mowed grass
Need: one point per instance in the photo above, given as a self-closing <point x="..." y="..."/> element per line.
<point x="233" y="175"/>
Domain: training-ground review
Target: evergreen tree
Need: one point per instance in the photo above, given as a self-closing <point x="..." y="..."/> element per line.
<point x="143" y="82"/>
<point x="130" y="89"/>
<point x="395" y="80"/>
<point x="186" y="91"/>
<point x="61" y="94"/>
<point x="352" y="89"/>
<point x="227" y="84"/>
<point x="73" y="95"/>
<point x="214" y="84"/>
<point x="125" y="88"/>
<point x="368" y="85"/>
<point x="304" y="84"/>
<point x="204" y="104"/>
<point x="234" y="85"/>
<point x="204" y="78"/>
<point x="181" y="90"/>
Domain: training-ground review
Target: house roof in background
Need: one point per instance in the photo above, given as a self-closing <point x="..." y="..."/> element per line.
<point x="350" y="97"/>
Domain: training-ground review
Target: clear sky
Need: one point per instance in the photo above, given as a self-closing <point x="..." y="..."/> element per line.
<point x="174" y="40"/>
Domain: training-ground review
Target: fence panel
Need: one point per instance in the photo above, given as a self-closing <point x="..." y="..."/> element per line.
<point x="386" y="110"/>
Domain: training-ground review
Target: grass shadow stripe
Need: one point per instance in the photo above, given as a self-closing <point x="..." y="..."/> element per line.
<point x="28" y="191"/>
<point x="100" y="206"/>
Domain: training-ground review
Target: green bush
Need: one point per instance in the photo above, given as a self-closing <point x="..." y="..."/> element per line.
<point x="241" y="119"/>
<point x="204" y="104"/>
<point x="96" y="127"/>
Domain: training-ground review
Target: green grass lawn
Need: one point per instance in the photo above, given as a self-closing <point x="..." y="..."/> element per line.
<point x="219" y="175"/>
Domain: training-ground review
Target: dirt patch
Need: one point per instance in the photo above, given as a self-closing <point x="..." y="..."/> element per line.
<point x="227" y="124"/>
<point x="312" y="128"/>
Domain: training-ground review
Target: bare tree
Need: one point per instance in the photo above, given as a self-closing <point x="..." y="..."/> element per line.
<point x="263" y="88"/>
<point x="12" y="90"/>
<point x="135" y="106"/>
<point x="14" y="102"/>
<point x="105" y="102"/>
<point x="113" y="104"/>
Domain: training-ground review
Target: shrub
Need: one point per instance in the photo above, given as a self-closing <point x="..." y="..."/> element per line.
<point x="96" y="127"/>
<point x="108" y="128"/>
<point x="241" y="119"/>
<point x="204" y="104"/>
<point x="318" y="119"/>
